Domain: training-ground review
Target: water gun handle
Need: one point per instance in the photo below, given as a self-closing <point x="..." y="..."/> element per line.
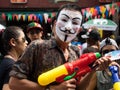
<point x="115" y="77"/>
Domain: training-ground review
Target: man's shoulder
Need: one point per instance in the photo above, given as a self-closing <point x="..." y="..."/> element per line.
<point x="43" y="43"/>
<point x="75" y="49"/>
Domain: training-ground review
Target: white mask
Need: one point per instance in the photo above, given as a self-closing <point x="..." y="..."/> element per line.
<point x="68" y="24"/>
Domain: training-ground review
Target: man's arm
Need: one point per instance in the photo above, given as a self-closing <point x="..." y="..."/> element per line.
<point x="24" y="84"/>
<point x="84" y="82"/>
<point x="6" y="87"/>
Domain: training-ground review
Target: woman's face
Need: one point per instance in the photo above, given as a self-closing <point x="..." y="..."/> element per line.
<point x="107" y="49"/>
<point x="21" y="43"/>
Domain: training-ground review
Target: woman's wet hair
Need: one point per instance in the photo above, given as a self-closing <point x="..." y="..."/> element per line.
<point x="5" y="37"/>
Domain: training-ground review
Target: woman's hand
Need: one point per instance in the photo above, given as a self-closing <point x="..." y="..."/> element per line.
<point x="103" y="63"/>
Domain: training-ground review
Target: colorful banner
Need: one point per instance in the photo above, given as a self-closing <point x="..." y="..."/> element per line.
<point x="103" y="11"/>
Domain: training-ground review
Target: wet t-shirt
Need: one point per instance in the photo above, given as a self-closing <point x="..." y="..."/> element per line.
<point x="40" y="57"/>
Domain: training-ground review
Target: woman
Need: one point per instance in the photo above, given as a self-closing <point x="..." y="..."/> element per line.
<point x="13" y="43"/>
<point x="102" y="80"/>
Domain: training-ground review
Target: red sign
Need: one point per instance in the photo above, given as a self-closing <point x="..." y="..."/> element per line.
<point x="18" y="1"/>
<point x="105" y="1"/>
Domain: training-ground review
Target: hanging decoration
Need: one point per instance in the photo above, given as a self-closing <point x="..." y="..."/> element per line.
<point x="15" y="17"/>
<point x="104" y="11"/>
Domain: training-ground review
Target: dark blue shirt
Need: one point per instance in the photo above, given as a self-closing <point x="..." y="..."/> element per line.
<point x="5" y="67"/>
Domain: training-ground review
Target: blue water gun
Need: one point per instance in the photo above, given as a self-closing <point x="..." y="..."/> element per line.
<point x="115" y="77"/>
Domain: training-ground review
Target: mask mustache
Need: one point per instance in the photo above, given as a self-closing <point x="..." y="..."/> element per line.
<point x="68" y="31"/>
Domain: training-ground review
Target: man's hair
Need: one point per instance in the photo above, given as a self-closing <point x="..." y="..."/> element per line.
<point x="69" y="6"/>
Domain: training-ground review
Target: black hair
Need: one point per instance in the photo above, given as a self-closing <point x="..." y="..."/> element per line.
<point x="69" y="6"/>
<point x="53" y="20"/>
<point x="108" y="42"/>
<point x="5" y="37"/>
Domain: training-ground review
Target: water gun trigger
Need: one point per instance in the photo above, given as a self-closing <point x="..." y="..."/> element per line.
<point x="60" y="78"/>
<point x="69" y="76"/>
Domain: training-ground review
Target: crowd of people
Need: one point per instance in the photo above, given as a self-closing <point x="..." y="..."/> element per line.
<point x="23" y="61"/>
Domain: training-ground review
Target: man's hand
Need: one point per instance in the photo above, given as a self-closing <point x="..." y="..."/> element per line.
<point x="66" y="85"/>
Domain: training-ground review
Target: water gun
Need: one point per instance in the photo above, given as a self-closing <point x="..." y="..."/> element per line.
<point x="115" y="77"/>
<point x="74" y="69"/>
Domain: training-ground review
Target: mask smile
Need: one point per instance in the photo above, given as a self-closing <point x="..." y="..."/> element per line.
<point x="67" y="31"/>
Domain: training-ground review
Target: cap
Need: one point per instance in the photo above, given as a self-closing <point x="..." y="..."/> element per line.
<point x="108" y="41"/>
<point x="94" y="34"/>
<point x="34" y="25"/>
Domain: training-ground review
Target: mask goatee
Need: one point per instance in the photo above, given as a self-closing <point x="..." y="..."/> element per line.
<point x="65" y="38"/>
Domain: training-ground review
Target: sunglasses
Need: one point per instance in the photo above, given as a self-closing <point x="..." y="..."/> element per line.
<point x="107" y="51"/>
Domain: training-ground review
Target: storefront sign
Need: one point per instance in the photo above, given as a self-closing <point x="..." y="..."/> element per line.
<point x="55" y="1"/>
<point x="18" y="1"/>
<point x="65" y="0"/>
<point x="105" y="1"/>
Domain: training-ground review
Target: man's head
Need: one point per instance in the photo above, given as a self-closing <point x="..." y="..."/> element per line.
<point x="92" y="33"/>
<point x="34" y="31"/>
<point x="68" y="24"/>
<point x="92" y="36"/>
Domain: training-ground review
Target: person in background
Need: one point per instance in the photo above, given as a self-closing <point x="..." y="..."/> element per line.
<point x="90" y="49"/>
<point x="82" y="40"/>
<point x="1" y="31"/>
<point x="41" y="56"/>
<point x="53" y="20"/>
<point x="12" y="45"/>
<point x="92" y="37"/>
<point x="117" y="39"/>
<point x="102" y="80"/>
<point x="34" y="31"/>
<point x="1" y="56"/>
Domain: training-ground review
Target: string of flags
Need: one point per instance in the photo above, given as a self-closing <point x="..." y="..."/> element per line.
<point x="103" y="11"/>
